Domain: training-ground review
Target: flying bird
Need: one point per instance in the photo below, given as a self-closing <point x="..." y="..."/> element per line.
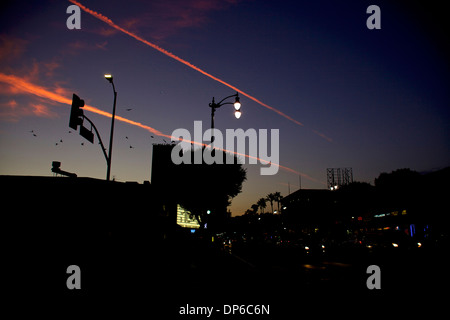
<point x="129" y="109"/>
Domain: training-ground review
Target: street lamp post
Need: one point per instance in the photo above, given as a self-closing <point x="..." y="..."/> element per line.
<point x="108" y="172"/>
<point x="213" y="105"/>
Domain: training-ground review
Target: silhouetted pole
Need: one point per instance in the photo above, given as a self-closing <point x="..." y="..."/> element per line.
<point x="108" y="172"/>
<point x="213" y="105"/>
<point x="213" y="110"/>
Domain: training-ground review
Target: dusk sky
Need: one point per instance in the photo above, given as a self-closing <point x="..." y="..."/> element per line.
<point x="373" y="100"/>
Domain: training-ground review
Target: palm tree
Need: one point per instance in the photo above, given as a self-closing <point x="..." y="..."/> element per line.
<point x="271" y="198"/>
<point x="262" y="204"/>
<point x="278" y="198"/>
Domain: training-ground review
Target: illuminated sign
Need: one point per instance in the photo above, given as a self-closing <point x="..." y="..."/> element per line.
<point x="184" y="219"/>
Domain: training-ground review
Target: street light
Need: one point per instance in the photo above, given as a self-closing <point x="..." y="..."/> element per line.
<point x="213" y="105"/>
<point x="109" y="77"/>
<point x="237" y="106"/>
<point x="237" y="103"/>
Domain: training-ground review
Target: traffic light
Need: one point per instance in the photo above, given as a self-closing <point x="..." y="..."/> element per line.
<point x="76" y="113"/>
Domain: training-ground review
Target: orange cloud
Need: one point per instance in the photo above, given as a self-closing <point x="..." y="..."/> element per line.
<point x="77" y="46"/>
<point x="11" y="111"/>
<point x="8" y="111"/>
<point x="11" y="48"/>
<point x="43" y="111"/>
<point x="50" y="67"/>
<point x="21" y="85"/>
<point x="106" y="32"/>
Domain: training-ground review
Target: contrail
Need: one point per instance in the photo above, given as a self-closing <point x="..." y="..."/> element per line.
<point x="190" y="65"/>
<point x="21" y="85"/>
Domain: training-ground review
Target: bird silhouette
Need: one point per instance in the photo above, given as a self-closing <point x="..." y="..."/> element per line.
<point x="126" y="138"/>
<point x="131" y="147"/>
<point x="129" y="109"/>
<point x="34" y="135"/>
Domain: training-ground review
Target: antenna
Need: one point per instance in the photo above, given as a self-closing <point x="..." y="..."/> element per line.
<point x="300" y="181"/>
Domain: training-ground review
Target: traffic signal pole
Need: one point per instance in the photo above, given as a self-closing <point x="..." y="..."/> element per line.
<point x="76" y="120"/>
<point x="99" y="138"/>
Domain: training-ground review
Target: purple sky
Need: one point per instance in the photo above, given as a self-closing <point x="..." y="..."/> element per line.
<point x="381" y="96"/>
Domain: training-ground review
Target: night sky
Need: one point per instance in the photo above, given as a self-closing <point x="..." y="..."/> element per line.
<point x="373" y="100"/>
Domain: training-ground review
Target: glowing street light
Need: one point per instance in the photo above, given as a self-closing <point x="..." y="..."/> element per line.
<point x="237" y="106"/>
<point x="109" y="77"/>
<point x="237" y="103"/>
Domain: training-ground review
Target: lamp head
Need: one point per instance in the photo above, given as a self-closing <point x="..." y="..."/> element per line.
<point x="237" y="104"/>
<point x="237" y="114"/>
<point x="109" y="77"/>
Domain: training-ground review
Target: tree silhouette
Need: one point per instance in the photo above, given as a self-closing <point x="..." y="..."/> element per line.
<point x="207" y="189"/>
<point x="271" y="198"/>
<point x="262" y="204"/>
<point x="401" y="187"/>
<point x="278" y="198"/>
